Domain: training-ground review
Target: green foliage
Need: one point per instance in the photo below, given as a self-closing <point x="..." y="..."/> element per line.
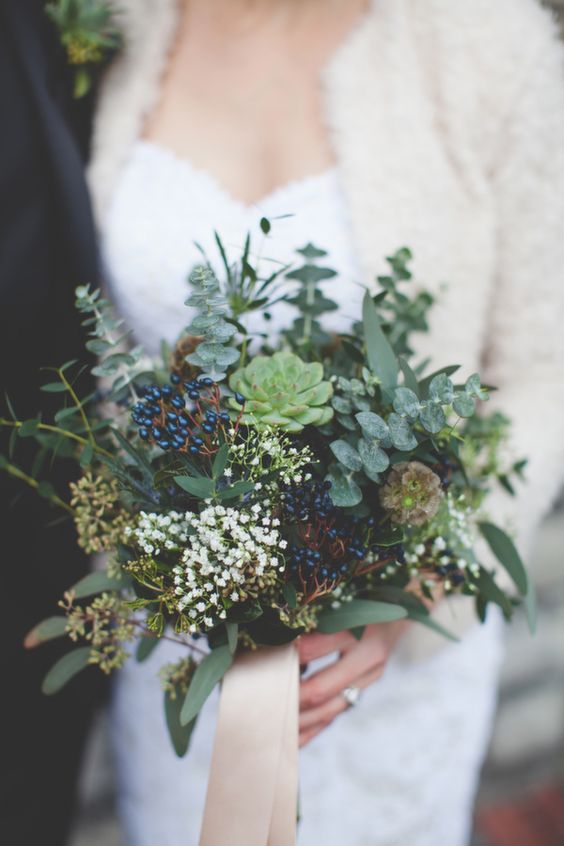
<point x="49" y="629"/>
<point x="87" y="32"/>
<point x="213" y="354"/>
<point x="209" y="672"/>
<point x="306" y="335"/>
<point x="359" y="612"/>
<point x="65" y="669"/>
<point x="107" y="341"/>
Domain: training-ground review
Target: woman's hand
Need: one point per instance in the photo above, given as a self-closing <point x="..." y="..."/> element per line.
<point x="360" y="663"/>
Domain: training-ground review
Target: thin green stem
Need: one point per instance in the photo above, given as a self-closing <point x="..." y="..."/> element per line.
<point x="78" y="405"/>
<point x="14" y="471"/>
<point x="47" y="427"/>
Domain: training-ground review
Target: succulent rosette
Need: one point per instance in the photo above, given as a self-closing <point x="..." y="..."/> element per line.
<point x="282" y="391"/>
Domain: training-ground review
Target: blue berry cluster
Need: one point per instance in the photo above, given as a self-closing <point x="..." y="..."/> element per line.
<point x="180" y="416"/>
<point x="333" y="542"/>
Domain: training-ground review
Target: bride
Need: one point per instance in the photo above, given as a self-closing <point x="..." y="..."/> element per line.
<point x="437" y="124"/>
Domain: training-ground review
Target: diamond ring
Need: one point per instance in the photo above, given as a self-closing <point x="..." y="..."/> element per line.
<point x="351" y="695"/>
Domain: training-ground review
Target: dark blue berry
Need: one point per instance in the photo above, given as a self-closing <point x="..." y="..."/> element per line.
<point x="175" y="378"/>
<point x="144" y="433"/>
<point x="239" y="398"/>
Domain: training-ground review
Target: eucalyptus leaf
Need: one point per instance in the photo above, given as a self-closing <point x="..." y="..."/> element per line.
<point x="198" y="486"/>
<point x="491" y="592"/>
<point x="406" y="403"/>
<point x="239" y="488"/>
<point x="97" y="582"/>
<point x="441" y="389"/>
<point x="49" y="629"/>
<point x="346" y="455"/>
<point x="432" y="418"/>
<point x="232" y="630"/>
<point x="400" y="433"/>
<point x="374" y="426"/>
<point x="220" y="461"/>
<point x="209" y="672"/>
<point x="145" y="648"/>
<point x="374" y="459"/>
<point x="344" y="490"/>
<point x="464" y="405"/>
<point x="179" y="734"/>
<point x="506" y="553"/>
<point x="65" y="669"/>
<point x="358" y="612"/>
<point x="381" y="357"/>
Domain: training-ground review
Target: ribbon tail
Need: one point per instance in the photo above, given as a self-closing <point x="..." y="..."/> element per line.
<point x="253" y="782"/>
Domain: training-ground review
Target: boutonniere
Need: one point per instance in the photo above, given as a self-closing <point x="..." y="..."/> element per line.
<point x="88" y="33"/>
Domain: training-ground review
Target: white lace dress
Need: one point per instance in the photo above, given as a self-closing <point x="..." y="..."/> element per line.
<point x="401" y="768"/>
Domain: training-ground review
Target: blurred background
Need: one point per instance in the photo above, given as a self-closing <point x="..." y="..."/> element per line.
<point x="521" y="794"/>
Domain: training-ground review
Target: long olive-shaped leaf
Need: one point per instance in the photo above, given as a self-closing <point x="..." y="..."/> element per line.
<point x="209" y="672"/>
<point x="381" y="357"/>
<point x="179" y="734"/>
<point x="65" y="669"/>
<point x="506" y="553"/>
<point x="48" y="629"/>
<point x="358" y="612"/>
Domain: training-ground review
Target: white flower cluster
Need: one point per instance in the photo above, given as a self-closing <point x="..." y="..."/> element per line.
<point x="157" y="532"/>
<point x="453" y="532"/>
<point x="266" y="451"/>
<point x="230" y="553"/>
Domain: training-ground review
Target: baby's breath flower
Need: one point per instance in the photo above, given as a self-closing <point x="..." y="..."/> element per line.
<point x="229" y="556"/>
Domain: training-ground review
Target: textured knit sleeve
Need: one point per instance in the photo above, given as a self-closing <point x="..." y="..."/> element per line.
<point x="524" y="355"/>
<point x="525" y="352"/>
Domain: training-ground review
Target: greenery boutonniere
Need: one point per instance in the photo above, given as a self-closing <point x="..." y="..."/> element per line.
<point x="87" y="32"/>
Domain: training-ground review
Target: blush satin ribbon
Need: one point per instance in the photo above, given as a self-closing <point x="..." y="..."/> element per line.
<point x="253" y="783"/>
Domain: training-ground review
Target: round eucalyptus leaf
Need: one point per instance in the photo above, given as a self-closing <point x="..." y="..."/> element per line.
<point x="344" y="490"/>
<point x="441" y="389"/>
<point x="346" y="455"/>
<point x="464" y="405"/>
<point x="433" y="418"/>
<point x="401" y="434"/>
<point x="374" y="459"/>
<point x="406" y="403"/>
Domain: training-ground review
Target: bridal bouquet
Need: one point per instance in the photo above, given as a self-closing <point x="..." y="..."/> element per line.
<point x="246" y="490"/>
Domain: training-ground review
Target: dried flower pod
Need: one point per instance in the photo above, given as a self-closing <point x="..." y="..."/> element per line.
<point x="412" y="493"/>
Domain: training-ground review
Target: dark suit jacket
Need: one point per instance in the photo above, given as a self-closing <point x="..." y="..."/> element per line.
<point x="47" y="247"/>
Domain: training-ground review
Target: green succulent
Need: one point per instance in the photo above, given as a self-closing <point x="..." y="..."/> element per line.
<point x="283" y="391"/>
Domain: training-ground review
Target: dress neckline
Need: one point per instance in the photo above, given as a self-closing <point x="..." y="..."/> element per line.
<point x="302" y="184"/>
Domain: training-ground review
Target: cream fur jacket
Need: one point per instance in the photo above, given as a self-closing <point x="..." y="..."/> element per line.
<point x="447" y="123"/>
